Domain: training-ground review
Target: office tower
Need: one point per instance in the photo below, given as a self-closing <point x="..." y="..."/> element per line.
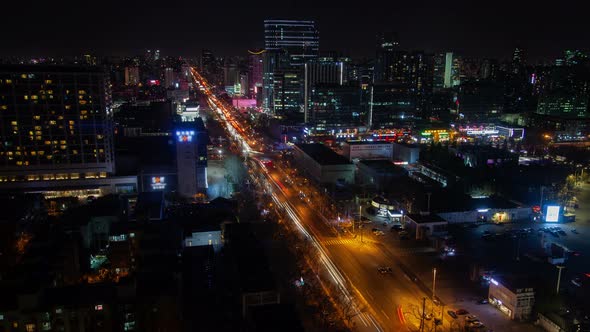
<point x="299" y="39"/>
<point x="334" y="107"/>
<point x="191" y="158"/>
<point x="387" y="44"/>
<point x="452" y="70"/>
<point x="564" y="105"/>
<point x="207" y="60"/>
<point x="157" y="55"/>
<point x="321" y="71"/>
<point x="56" y="125"/>
<point x="480" y="101"/>
<point x="169" y="77"/>
<point x="131" y="75"/>
<point x="390" y="105"/>
<point x="438" y="79"/>
<point x="230" y="72"/>
<point x="289" y="44"/>
<point x="255" y="73"/>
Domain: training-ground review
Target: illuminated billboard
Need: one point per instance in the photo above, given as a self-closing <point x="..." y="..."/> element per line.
<point x="158" y="183"/>
<point x="552" y="214"/>
<point x="185" y="136"/>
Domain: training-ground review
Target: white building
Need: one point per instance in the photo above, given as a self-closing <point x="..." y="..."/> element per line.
<point x="511" y="297"/>
<point x="368" y="150"/>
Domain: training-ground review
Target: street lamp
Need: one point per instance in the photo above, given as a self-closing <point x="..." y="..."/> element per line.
<point x="434" y="284"/>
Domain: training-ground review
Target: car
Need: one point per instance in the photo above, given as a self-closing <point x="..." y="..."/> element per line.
<point x="462" y="312"/>
<point x="482" y="301"/>
<point x="396" y="228"/>
<point x="471" y="318"/>
<point x="385" y="270"/>
<point x="452" y="314"/>
<point x="477" y="324"/>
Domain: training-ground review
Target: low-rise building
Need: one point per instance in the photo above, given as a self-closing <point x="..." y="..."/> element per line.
<point x="368" y="150"/>
<point x="425" y="225"/>
<point x="322" y="164"/>
<point x="514" y="297"/>
<point x="406" y="153"/>
<point x="379" y="173"/>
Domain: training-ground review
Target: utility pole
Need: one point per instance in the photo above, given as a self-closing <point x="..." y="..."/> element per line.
<point x="423" y="313"/>
<point x="428" y="201"/>
<point x="434" y="284"/>
<point x="559" y="267"/>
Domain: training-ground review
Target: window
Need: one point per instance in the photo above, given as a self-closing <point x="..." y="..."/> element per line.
<point x="30" y="327"/>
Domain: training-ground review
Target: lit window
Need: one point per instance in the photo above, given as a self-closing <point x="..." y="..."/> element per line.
<point x="33" y="153"/>
<point x="14" y="123"/>
<point x="26" y="97"/>
<point x="34" y="97"/>
<point x="71" y="122"/>
<point x="4" y="107"/>
<point x="23" y="76"/>
<point x="62" y="142"/>
<point x="47" y="142"/>
<point x="48" y="82"/>
<point x="98" y="307"/>
<point x="68" y="107"/>
<point x="8" y="81"/>
<point x="37" y="117"/>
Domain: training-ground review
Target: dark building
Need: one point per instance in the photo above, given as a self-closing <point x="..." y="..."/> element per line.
<point x="299" y="39"/>
<point x="390" y="105"/>
<point x="321" y="71"/>
<point x="333" y="107"/>
<point x="480" y="101"/>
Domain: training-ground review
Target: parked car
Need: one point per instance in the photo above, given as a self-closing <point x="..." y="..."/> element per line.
<point x="452" y="314"/>
<point x="462" y="312"/>
<point x="395" y="228"/>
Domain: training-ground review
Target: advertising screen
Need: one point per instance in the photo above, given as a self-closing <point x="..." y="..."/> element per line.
<point x="552" y="214"/>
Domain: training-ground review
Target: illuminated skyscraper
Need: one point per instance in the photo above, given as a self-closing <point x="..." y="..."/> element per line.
<point x="56" y="124"/>
<point x="255" y="72"/>
<point x="299" y="39"/>
<point x="289" y="45"/>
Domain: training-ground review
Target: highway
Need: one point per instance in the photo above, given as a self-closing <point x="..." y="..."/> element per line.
<point x="383" y="302"/>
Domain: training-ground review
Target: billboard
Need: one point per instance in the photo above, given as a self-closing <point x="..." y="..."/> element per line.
<point x="552" y="214"/>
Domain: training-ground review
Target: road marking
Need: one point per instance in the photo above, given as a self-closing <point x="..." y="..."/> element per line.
<point x="385" y="314"/>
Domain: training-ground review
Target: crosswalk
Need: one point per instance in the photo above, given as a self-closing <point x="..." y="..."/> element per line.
<point x="347" y="241"/>
<point x="357" y="241"/>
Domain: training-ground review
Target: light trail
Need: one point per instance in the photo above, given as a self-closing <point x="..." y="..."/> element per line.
<point x="237" y="133"/>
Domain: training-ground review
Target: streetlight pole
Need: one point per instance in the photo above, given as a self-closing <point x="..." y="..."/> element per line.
<point x="559" y="267"/>
<point x="434" y="284"/>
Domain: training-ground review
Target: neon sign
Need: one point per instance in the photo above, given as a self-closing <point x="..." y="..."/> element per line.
<point x="185" y="135"/>
<point x="158" y="182"/>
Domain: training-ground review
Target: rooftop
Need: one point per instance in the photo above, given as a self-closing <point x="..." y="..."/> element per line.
<point x="384" y="166"/>
<point x="11" y="68"/>
<point x="322" y="154"/>
<point x="425" y="218"/>
<point x="367" y="142"/>
<point x="514" y="283"/>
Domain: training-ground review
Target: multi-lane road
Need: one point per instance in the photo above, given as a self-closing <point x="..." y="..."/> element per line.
<point x="384" y="302"/>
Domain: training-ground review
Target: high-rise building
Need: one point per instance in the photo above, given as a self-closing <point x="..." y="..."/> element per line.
<point x="289" y="45"/>
<point x="57" y="131"/>
<point x="563" y="105"/>
<point x="299" y="39"/>
<point x="131" y="75"/>
<point x="169" y="77"/>
<point x="387" y="44"/>
<point x="333" y="107"/>
<point x="191" y="158"/>
<point x="390" y="105"/>
<point x="255" y="73"/>
<point x="321" y="71"/>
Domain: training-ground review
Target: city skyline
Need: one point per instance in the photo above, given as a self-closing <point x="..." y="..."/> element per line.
<point x="232" y="29"/>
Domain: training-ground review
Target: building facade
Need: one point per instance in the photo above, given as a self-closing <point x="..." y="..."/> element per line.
<point x="56" y="126"/>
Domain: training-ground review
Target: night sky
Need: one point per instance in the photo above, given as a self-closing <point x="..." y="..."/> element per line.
<point x="478" y="28"/>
